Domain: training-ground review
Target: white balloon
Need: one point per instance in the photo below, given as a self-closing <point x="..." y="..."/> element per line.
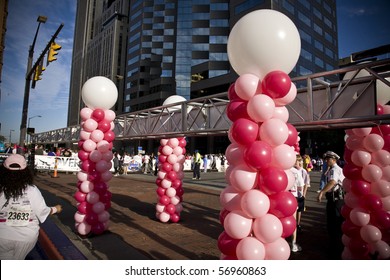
<point x="99" y="93"/>
<point x="383" y="92"/>
<point x="263" y="41"/>
<point x="172" y="100"/>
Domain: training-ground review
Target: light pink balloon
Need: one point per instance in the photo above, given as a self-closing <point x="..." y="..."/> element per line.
<point x="290" y="178"/>
<point x="354" y="142"/>
<point x="237" y="224"/>
<point x="165" y="183"/>
<point x="82" y="176"/>
<point x="386" y="203"/>
<point x="359" y="216"/>
<point x="243" y="178"/>
<point x="380" y="158"/>
<point x="164" y="142"/>
<point x="267" y="228"/>
<point x="370" y="234"/>
<point x="79" y="217"/>
<point x="103" y="216"/>
<point x="373" y="142"/>
<point x="103" y="146"/>
<point x="95" y="156"/>
<point x="86" y="113"/>
<point x="281" y="113"/>
<point x="246" y="86"/>
<point x="86" y="186"/>
<point x="230" y="199"/>
<point x="351" y="200"/>
<point x="92" y="197"/>
<point x="235" y="154"/>
<point x="360" y="157"/>
<point x="383" y="249"/>
<point x="161" y="174"/>
<point x="170" y="192"/>
<point x="98" y="207"/>
<point x="361" y="131"/>
<point x="386" y="173"/>
<point x="173" y="142"/>
<point x="84" y="228"/>
<point x="260" y="107"/>
<point x="277" y="250"/>
<point x="274" y="132"/>
<point x="97" y="135"/>
<point x="172" y="159"/>
<point x="254" y="203"/>
<point x="346" y="240"/>
<point x="386" y="109"/>
<point x="89" y="145"/>
<point x="90" y="125"/>
<point x="284" y="157"/>
<point x="85" y="135"/>
<point x="167" y="150"/>
<point x="288" y="98"/>
<point x="160" y="207"/>
<point x="181" y="159"/>
<point x="178" y="151"/>
<point x="347" y="185"/>
<point x="177" y="167"/>
<point x="164" y="217"/>
<point x="381" y="188"/>
<point x="371" y="173"/>
<point x="175" y="200"/>
<point x="109" y="115"/>
<point x="250" y="248"/>
<point x="107" y="156"/>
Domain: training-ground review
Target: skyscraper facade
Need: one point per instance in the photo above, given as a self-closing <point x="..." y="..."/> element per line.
<point x="180" y="46"/>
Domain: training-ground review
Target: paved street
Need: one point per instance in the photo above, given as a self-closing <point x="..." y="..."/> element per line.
<point x="135" y="233"/>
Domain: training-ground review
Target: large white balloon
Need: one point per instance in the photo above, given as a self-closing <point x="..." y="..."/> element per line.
<point x="263" y="41"/>
<point x="99" y="93"/>
<point x="176" y="99"/>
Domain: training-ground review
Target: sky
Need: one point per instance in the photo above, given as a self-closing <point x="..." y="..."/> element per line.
<point x="362" y="25"/>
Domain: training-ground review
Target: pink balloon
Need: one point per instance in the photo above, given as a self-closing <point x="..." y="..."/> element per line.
<point x="79" y="217"/>
<point x="103" y="146"/>
<point x="86" y="186"/>
<point x="98" y="115"/>
<point x="381" y="158"/>
<point x="226" y="244"/>
<point x="174" y="218"/>
<point x="82" y="176"/>
<point x="281" y="113"/>
<point x="237" y="109"/>
<point x="98" y="207"/>
<point x="370" y="234"/>
<point x="164" y="142"/>
<point x="288" y="98"/>
<point x="284" y="157"/>
<point x="254" y="203"/>
<point x="173" y="142"/>
<point x="267" y="228"/>
<point x="250" y="248"/>
<point x="361" y="131"/>
<point x="386" y="173"/>
<point x="245" y="131"/>
<point x="97" y="135"/>
<point x="282" y="204"/>
<point x="373" y="142"/>
<point x="243" y="178"/>
<point x="386" y="203"/>
<point x="352" y="200"/>
<point x="104" y="126"/>
<point x="165" y="183"/>
<point x="246" y="86"/>
<point x="381" y="188"/>
<point x="354" y="142"/>
<point x="371" y="173"/>
<point x="230" y="199"/>
<point x="361" y="158"/>
<point x="80" y="196"/>
<point x="107" y="156"/>
<point x="260" y="107"/>
<point x="84" y="228"/>
<point x="274" y="132"/>
<point x="276" y="84"/>
<point x="178" y="151"/>
<point x="109" y="115"/>
<point x="277" y="250"/>
<point x="359" y="187"/>
<point x="95" y="156"/>
<point x="164" y="217"/>
<point x="106" y="176"/>
<point x="90" y="125"/>
<point x="172" y="158"/>
<point x="167" y="150"/>
<point x="383" y="249"/>
<point x="102" y="166"/>
<point x="85" y="113"/>
<point x="290" y="179"/>
<point x="258" y="155"/>
<point x="235" y="153"/>
<point x="177" y="167"/>
<point x="289" y="225"/>
<point x="109" y="136"/>
<point x="272" y="180"/>
<point x="237" y="224"/>
<point x="85" y="135"/>
<point x="359" y="216"/>
<point x="103" y="216"/>
<point x="171" y="192"/>
<point x="92" y="197"/>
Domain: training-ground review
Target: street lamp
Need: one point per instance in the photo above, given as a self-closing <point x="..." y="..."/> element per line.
<point x="28" y="123"/>
<point x="10" y="136"/>
<point x="40" y="19"/>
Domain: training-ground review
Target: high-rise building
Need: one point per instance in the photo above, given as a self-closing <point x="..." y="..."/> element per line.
<point x="180" y="46"/>
<point x="3" y="28"/>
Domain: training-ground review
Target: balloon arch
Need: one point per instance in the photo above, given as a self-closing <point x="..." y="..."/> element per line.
<point x="257" y="209"/>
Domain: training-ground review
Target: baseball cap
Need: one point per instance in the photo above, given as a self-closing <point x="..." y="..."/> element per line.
<point x="330" y="154"/>
<point x="15" y="162"/>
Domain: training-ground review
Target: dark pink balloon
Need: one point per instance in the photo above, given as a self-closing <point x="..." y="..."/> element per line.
<point x="82" y="207"/>
<point x="381" y="219"/>
<point x="100" y="187"/>
<point x="170" y="209"/>
<point x="347" y="155"/>
<point x="372" y="202"/>
<point x="166" y="166"/>
<point x="289" y="224"/>
<point x="350" y="229"/>
<point x="358" y="247"/>
<point x="164" y="200"/>
<point x="162" y="158"/>
<point x="179" y="193"/>
<point x="107" y="205"/>
<point x="106" y="196"/>
<point x="258" y="155"/>
<point x="104" y="126"/>
<point x="97" y="228"/>
<point x="292" y="138"/>
<point x="245" y="131"/>
<point x="177" y="183"/>
<point x="80" y="144"/>
<point x="272" y="180"/>
<point x="352" y="172"/>
<point x="160" y="191"/>
<point x="83" y="155"/>
<point x="232" y="95"/>
<point x="109" y="136"/>
<point x="226" y="244"/>
<point x="91" y="218"/>
<point x="379" y="109"/>
<point x="386" y="139"/>
<point x="222" y="215"/>
<point x="93" y="176"/>
<point x="87" y="165"/>
<point x="182" y="142"/>
<point x="98" y="115"/>
<point x="282" y="204"/>
<point x="158" y="182"/>
<point x="174" y="218"/>
<point x="345" y="210"/>
<point x="276" y="84"/>
<point x="80" y="196"/>
<point x="237" y="109"/>
<point x="172" y="175"/>
<point x="360" y="187"/>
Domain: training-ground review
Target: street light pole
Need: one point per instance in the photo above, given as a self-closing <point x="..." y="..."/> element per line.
<point x="41" y="19"/>
<point x="28" y="123"/>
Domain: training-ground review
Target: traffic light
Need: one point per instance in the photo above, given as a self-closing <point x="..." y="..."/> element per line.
<point x="38" y="73"/>
<point x="53" y="51"/>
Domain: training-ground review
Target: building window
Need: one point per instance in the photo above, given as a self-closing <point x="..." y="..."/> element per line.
<point x="288" y="6"/>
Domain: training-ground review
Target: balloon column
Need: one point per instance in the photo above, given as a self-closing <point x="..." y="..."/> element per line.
<point x="366" y="229"/>
<point x="169" y="182"/>
<point x="95" y="154"/>
<point x="257" y="208"/>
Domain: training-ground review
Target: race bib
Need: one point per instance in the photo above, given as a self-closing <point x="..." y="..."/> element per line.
<point x="18" y="215"/>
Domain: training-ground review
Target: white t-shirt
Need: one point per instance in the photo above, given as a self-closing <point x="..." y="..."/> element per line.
<point x="297" y="188"/>
<point x="19" y="220"/>
<point x="335" y="173"/>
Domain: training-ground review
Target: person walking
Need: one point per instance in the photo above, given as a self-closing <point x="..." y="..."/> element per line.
<point x="115" y="160"/>
<point x="197" y="161"/>
<point x="22" y="209"/>
<point x="306" y="180"/>
<point x="334" y="194"/>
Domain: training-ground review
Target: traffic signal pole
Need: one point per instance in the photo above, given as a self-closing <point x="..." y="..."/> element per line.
<point x="30" y="70"/>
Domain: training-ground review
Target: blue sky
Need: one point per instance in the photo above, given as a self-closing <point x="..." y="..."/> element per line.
<point x="362" y="25"/>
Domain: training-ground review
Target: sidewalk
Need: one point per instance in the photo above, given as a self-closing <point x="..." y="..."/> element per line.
<point x="135" y="233"/>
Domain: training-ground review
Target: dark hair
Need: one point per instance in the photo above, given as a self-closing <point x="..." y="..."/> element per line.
<point x="14" y="182"/>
